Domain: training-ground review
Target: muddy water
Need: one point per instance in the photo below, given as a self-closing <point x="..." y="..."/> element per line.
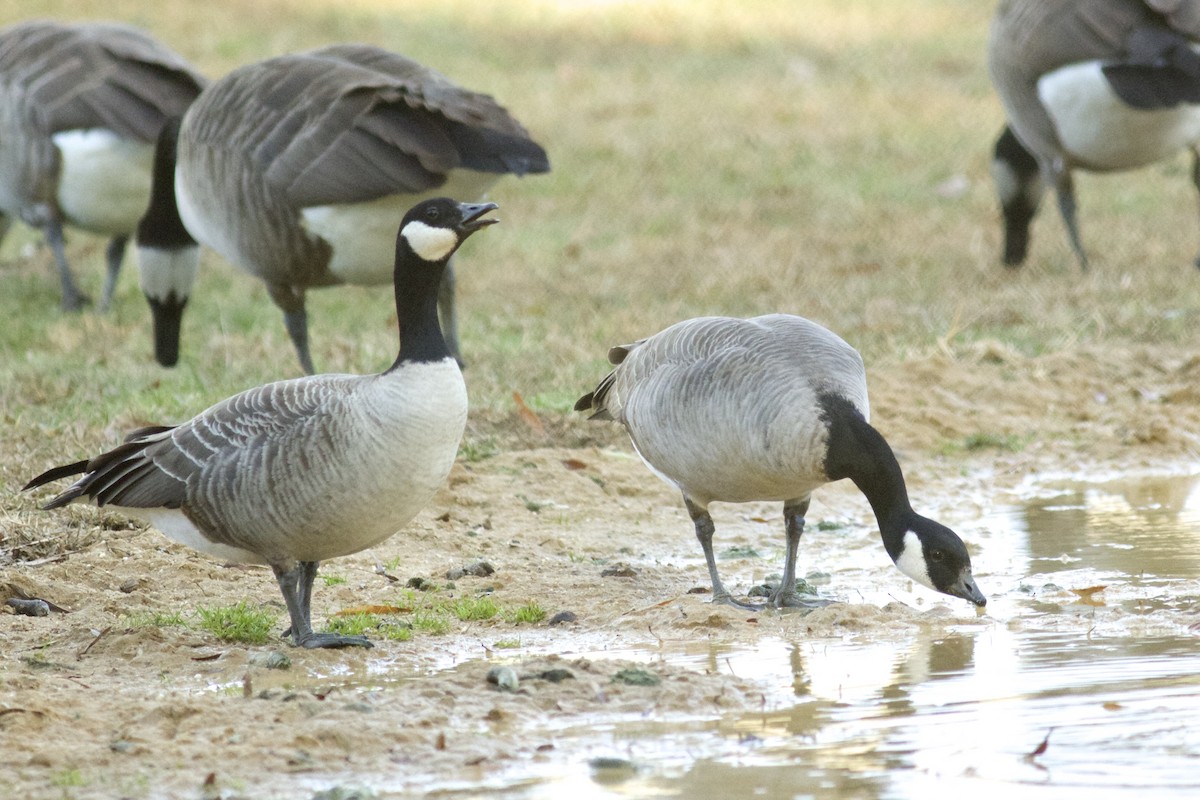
<point x="1108" y="678"/>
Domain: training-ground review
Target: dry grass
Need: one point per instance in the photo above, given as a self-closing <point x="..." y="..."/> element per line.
<point x="708" y="158"/>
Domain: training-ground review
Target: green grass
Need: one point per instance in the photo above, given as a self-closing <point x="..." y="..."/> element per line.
<point x="373" y="624"/>
<point x="506" y="644"/>
<point x="530" y="613"/>
<point x="240" y="623"/>
<point x="469" y="609"/>
<point x="1005" y="442"/>
<point x="431" y="622"/>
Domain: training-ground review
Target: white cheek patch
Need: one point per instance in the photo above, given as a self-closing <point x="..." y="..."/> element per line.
<point x="162" y="273"/>
<point x="430" y="243"/>
<point x="912" y="561"/>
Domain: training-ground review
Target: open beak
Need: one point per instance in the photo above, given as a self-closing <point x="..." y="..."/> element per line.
<point x="472" y="216"/>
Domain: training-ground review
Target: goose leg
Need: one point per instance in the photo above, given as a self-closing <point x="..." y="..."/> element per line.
<point x="114" y="254"/>
<point x="1196" y="182"/>
<point x="1064" y="188"/>
<point x="704" y="532"/>
<point x="785" y="594"/>
<point x="296" y="585"/>
<point x="448" y="312"/>
<point x="72" y="298"/>
<point x="295" y="318"/>
<point x="5" y="224"/>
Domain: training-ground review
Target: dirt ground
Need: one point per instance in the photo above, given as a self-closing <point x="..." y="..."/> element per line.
<point x="91" y="707"/>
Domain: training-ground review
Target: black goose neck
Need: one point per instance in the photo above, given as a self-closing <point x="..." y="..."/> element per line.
<point x="416" y="284"/>
<point x="161" y="226"/>
<point x="859" y="452"/>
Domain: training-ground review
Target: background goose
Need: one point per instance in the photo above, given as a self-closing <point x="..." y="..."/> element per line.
<point x="769" y="408"/>
<point x="80" y="108"/>
<point x="1098" y="85"/>
<point x="296" y="472"/>
<point x="294" y="168"/>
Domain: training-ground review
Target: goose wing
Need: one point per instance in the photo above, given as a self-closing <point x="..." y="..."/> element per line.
<point x="332" y="126"/>
<point x="97" y="75"/>
<point x="164" y="466"/>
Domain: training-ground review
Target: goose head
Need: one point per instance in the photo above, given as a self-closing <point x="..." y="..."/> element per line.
<point x="433" y="230"/>
<point x="934" y="556"/>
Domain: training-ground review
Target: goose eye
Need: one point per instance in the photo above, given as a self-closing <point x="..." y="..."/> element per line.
<point x="937" y="555"/>
<point x="433" y="212"/>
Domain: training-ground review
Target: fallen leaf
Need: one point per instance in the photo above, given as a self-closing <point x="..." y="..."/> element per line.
<point x="573" y="464"/>
<point x="1041" y="748"/>
<point x="354" y="611"/>
<point x="1086" y="595"/>
<point x="527" y="416"/>
<point x="1111" y="706"/>
<point x="758" y="519"/>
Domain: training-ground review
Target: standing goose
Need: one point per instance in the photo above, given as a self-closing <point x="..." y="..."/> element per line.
<point x="769" y="408"/>
<point x="80" y="107"/>
<point x="299" y="471"/>
<point x="294" y="169"/>
<point x="1097" y="85"/>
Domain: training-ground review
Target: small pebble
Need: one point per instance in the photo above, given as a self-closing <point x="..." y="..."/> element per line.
<point x="618" y="570"/>
<point x="418" y="583"/>
<point x="131" y="585"/>
<point x="563" y="616"/>
<point x="272" y="659"/>
<point x="30" y="608"/>
<point x="634" y="676"/>
<point x="503" y="677"/>
<point x="557" y="675"/>
<point x="480" y="569"/>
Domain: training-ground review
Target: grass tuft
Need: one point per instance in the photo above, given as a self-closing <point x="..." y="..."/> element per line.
<point x="240" y="623"/>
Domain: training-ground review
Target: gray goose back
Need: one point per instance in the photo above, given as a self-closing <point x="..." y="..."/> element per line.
<point x="729" y="409"/>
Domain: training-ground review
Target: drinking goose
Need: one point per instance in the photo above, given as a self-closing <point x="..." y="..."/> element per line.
<point x="769" y="408"/>
<point x="294" y="169"/>
<point x="80" y="107"/>
<point x="299" y="471"/>
<point x="1097" y="85"/>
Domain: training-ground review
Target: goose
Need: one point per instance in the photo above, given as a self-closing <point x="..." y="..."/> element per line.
<point x="295" y="167"/>
<point x="768" y="409"/>
<point x="1094" y="85"/>
<point x="292" y="473"/>
<point x="81" y="105"/>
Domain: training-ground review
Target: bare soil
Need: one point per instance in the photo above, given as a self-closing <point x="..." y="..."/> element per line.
<point x="91" y="706"/>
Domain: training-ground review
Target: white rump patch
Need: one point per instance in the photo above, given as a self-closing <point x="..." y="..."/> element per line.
<point x="430" y="243"/>
<point x="104" y="184"/>
<point x="163" y="272"/>
<point x="1101" y="132"/>
<point x="912" y="561"/>
<point x="176" y="526"/>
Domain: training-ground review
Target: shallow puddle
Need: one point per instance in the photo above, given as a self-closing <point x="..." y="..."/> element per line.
<point x="1082" y="680"/>
<point x="1108" y="678"/>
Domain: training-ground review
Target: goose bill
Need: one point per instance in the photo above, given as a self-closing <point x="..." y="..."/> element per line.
<point x="472" y="215"/>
